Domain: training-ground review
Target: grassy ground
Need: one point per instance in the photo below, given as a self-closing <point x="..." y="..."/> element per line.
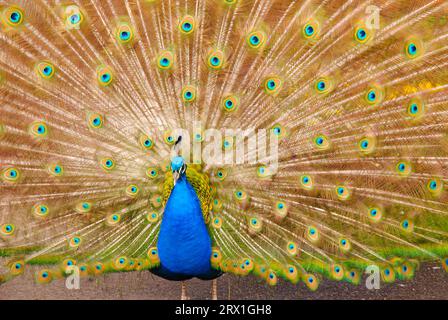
<point x="430" y="282"/>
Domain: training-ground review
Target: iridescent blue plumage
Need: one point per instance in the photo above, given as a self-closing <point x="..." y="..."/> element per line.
<point x="184" y="244"/>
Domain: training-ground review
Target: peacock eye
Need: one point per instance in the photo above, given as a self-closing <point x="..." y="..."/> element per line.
<point x="323" y="85"/>
<point x="38" y="129"/>
<point x="7" y="229"/>
<point x="187" y="25"/>
<point x="230" y="103"/>
<point x="13" y="16"/>
<point x="364" y="144"/>
<point x="124" y="33"/>
<point x="309" y="30"/>
<point x="412" y="49"/>
<point x="215" y="59"/>
<point x="107" y="164"/>
<point x="75" y="18"/>
<point x="165" y="60"/>
<point x="256" y="39"/>
<point x="104" y="76"/>
<point x="321" y="142"/>
<point x="361" y="34"/>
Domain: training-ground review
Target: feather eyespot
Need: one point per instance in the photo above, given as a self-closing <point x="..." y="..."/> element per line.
<point x="291" y="248"/>
<point x="306" y="182"/>
<point x="403" y="168"/>
<point x="146" y="142"/>
<point x="108" y="164"/>
<point x="83" y="207"/>
<point x="74" y="242"/>
<point x="17" y="267"/>
<point x="342" y="192"/>
<point x="344" y="245"/>
<point x="13" y="16"/>
<point x="273" y="85"/>
<point x="121" y="263"/>
<point x="415" y="109"/>
<point x="280" y="209"/>
<point x="7" y="229"/>
<point x="187" y="25"/>
<point x="311" y="281"/>
<point x="321" y="142"/>
<point x="152" y="217"/>
<point x="56" y="170"/>
<point x="374" y="95"/>
<point x="113" y="219"/>
<point x="375" y="214"/>
<point x="230" y="103"/>
<point x="189" y="94"/>
<point x="11" y="175"/>
<point x="279" y="131"/>
<point x="227" y="144"/>
<point x="312" y="234"/>
<point x="362" y="34"/>
<point x="132" y="190"/>
<point x="435" y="186"/>
<point x="215" y="59"/>
<point x="45" y="70"/>
<point x="156" y="200"/>
<point x="68" y="263"/>
<point x="264" y="172"/>
<point x="168" y="137"/>
<point x="73" y="17"/>
<point x="407" y="225"/>
<point x="323" y="85"/>
<point x="388" y="274"/>
<point x="216" y="205"/>
<point x="38" y="129"/>
<point x="95" y="120"/>
<point x="221" y="174"/>
<point x="124" y="33"/>
<point x="367" y="145"/>
<point x="255" y="225"/>
<point x="165" y="60"/>
<point x="217" y="222"/>
<point x="104" y="76"/>
<point x="153" y="255"/>
<point x="337" y="272"/>
<point x="311" y="30"/>
<point x="256" y="39"/>
<point x="44" y="276"/>
<point x="152" y="172"/>
<point x="41" y="210"/>
<point x="413" y="48"/>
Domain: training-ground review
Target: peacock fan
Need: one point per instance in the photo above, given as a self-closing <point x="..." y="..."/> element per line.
<point x="355" y="93"/>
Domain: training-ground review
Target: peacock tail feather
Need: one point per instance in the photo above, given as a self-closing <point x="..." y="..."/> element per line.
<point x="92" y="91"/>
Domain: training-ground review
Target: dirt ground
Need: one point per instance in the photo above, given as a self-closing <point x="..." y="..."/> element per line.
<point x="430" y="282"/>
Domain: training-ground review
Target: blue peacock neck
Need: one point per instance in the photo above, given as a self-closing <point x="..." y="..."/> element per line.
<point x="184" y="244"/>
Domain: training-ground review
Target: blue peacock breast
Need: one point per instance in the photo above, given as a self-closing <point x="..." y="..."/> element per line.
<point x="184" y="244"/>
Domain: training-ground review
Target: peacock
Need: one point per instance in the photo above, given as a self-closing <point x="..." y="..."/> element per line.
<point x="329" y="118"/>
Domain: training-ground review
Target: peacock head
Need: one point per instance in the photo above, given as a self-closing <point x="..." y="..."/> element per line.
<point x="178" y="167"/>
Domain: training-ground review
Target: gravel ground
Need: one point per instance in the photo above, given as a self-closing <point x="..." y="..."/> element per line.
<point x="430" y="282"/>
